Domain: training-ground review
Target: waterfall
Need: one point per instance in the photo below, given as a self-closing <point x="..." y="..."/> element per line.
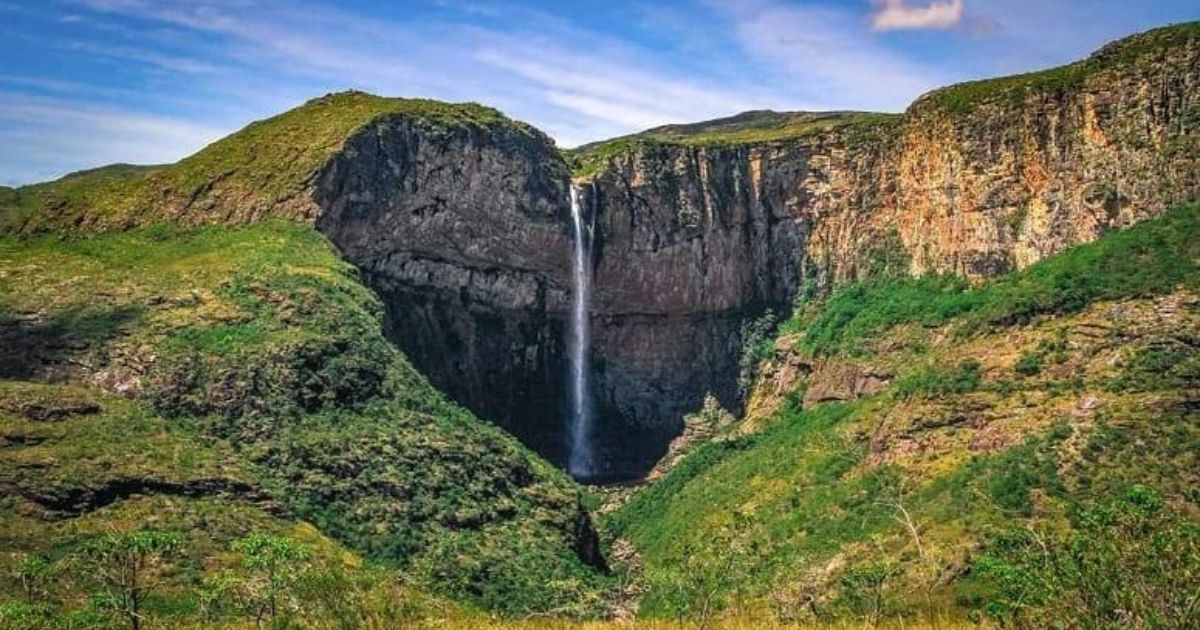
<point x="580" y="461"/>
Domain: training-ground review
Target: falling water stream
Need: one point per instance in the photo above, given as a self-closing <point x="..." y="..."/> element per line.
<point x="580" y="461"/>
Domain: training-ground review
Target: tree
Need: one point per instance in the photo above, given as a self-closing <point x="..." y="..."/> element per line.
<point x="34" y="572"/>
<point x="274" y="563"/>
<point x="124" y="565"/>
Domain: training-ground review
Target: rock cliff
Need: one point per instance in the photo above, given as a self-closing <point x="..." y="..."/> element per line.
<point x="706" y="225"/>
<point x="463" y="233"/>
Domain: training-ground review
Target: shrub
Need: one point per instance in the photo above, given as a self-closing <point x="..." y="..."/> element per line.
<point x="758" y="336"/>
<point x="1030" y="364"/>
<point x="934" y="380"/>
<point x="124" y="566"/>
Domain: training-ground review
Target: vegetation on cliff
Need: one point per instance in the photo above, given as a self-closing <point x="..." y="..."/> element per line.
<point x="747" y="128"/>
<point x="1143" y="48"/>
<point x="1039" y="402"/>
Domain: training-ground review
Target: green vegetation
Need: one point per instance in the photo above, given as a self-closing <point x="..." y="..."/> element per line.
<point x="1159" y="368"/>
<point x="874" y="508"/>
<point x="758" y="127"/>
<point x="773" y="500"/>
<point x="1129" y="562"/>
<point x="263" y="170"/>
<point x="938" y="380"/>
<point x="1153" y="257"/>
<point x="758" y="337"/>
<point x="966" y="97"/>
<point x="121" y="564"/>
<point x="260" y="370"/>
<point x="115" y="568"/>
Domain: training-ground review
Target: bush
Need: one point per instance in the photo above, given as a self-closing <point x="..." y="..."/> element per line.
<point x="1030" y="364"/>
<point x="934" y="380"/>
<point x="758" y="338"/>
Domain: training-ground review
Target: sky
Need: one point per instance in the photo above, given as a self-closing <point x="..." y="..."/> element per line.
<point x="91" y="82"/>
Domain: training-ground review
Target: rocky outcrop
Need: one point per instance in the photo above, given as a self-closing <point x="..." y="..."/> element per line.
<point x="463" y="233"/>
<point x="998" y="175"/>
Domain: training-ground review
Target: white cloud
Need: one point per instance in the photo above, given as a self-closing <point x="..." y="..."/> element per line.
<point x="576" y="84"/>
<point x="47" y="138"/>
<point x="829" y="56"/>
<point x="892" y="15"/>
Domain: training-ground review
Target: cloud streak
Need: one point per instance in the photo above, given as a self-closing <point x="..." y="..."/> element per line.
<point x="894" y="15"/>
<point x="825" y="52"/>
<point x="53" y="137"/>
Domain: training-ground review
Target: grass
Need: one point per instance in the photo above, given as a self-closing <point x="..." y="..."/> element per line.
<point x="257" y="350"/>
<point x="757" y="508"/>
<point x="759" y="127"/>
<point x="966" y="97"/>
<point x="266" y="169"/>
<point x="1151" y="258"/>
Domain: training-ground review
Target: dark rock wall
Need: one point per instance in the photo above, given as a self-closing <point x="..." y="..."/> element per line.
<point x="464" y="234"/>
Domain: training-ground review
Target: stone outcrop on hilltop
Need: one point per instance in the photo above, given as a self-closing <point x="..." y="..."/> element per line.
<point x="463" y="233"/>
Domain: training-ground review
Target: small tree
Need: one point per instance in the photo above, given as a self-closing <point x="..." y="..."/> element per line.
<point x="124" y="565"/>
<point x="34" y="572"/>
<point x="274" y="563"/>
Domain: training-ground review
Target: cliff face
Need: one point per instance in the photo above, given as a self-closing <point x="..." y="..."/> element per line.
<point x="698" y="234"/>
<point x="695" y="241"/>
<point x="463" y="233"/>
<point x="1037" y="164"/>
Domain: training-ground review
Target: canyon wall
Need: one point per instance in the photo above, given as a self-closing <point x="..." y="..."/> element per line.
<point x="974" y="180"/>
<point x="465" y="231"/>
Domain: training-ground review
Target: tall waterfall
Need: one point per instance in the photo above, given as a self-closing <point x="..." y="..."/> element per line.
<point x="580" y="462"/>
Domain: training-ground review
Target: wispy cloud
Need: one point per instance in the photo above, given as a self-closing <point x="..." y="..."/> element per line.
<point x="824" y="50"/>
<point x="52" y="137"/>
<point x="576" y="84"/>
<point x="893" y="15"/>
<point x="151" y="80"/>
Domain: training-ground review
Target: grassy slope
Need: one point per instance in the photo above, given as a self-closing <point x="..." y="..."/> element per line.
<point x="263" y="170"/>
<point x="965" y="97"/>
<point x="1020" y="401"/>
<point x="748" y="128"/>
<point x="255" y="353"/>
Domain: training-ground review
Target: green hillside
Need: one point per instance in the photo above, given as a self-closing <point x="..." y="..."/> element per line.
<point x="1033" y="403"/>
<point x="964" y="98"/>
<point x="747" y="128"/>
<point x="264" y="170"/>
<point x="258" y="382"/>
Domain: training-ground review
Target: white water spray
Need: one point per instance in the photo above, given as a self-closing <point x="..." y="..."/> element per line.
<point x="580" y="461"/>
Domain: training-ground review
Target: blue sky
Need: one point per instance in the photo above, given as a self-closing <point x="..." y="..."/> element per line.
<point x="90" y="82"/>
